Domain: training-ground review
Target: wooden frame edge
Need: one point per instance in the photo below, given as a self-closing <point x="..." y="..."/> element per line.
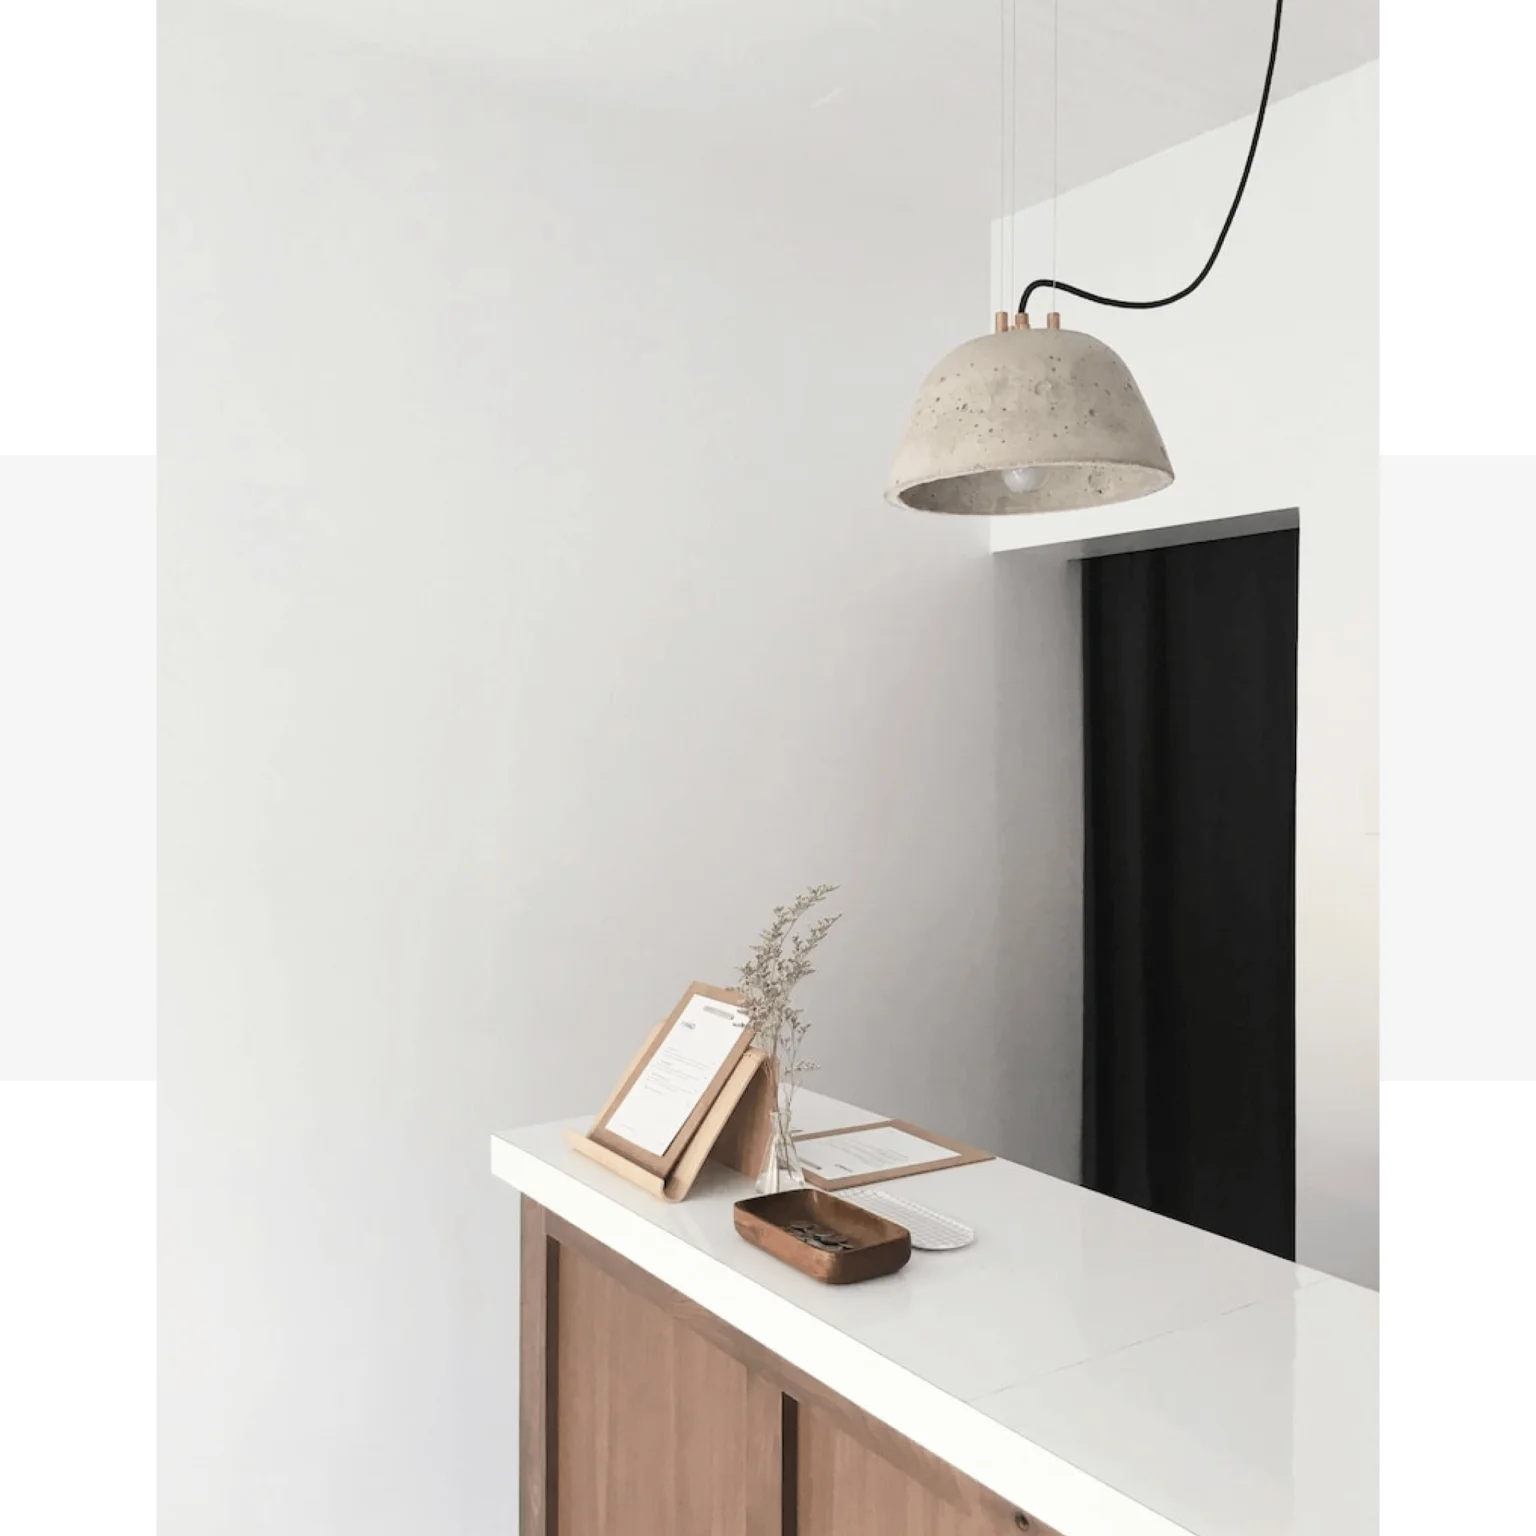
<point x="962" y="1156"/>
<point x="662" y="1164"/>
<point x="538" y="1374"/>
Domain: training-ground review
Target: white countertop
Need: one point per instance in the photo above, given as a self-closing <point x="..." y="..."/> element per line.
<point x="1113" y="1372"/>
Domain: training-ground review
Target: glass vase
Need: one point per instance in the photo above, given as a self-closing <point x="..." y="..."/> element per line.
<point x="781" y="1166"/>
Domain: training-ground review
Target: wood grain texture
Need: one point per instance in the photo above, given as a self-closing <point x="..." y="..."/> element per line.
<point x="734" y="1132"/>
<point x="738" y="1121"/>
<point x="743" y="1143"/>
<point x="537" y="1325"/>
<point x="934" y="1478"/>
<point x="616" y="1162"/>
<point x="882" y="1246"/>
<point x="959" y="1155"/>
<point x="766" y="1460"/>
<point x="652" y="1433"/>
<point x="844" y="1487"/>
<point x="662" y="1164"/>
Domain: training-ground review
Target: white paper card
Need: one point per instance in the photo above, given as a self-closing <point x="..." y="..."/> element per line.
<point x="673" y="1081"/>
<point x="860" y="1152"/>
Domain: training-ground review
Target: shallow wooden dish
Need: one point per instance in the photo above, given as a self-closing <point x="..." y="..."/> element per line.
<point x="876" y="1246"/>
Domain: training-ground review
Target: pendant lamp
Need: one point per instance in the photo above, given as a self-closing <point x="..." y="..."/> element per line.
<point x="1028" y="421"/>
<point x="1042" y="420"/>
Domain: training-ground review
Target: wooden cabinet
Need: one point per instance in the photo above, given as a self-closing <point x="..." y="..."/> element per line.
<point x="652" y="1421"/>
<point x="644" y="1415"/>
<point x="843" y="1487"/>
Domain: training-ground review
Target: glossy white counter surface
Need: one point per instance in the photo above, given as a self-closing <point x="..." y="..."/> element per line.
<point x="1112" y="1372"/>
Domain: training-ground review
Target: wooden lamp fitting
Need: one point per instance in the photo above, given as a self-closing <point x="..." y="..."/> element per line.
<point x="1001" y="321"/>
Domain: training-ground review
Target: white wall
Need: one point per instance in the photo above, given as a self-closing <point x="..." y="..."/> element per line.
<point x="531" y="623"/>
<point x="1264" y="384"/>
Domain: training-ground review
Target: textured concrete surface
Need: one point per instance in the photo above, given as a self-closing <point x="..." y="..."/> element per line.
<point x="1051" y="398"/>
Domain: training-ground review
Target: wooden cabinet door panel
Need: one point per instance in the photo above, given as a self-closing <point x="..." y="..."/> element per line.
<point x="844" y="1487"/>
<point x="651" y="1418"/>
<point x="645" y="1415"/>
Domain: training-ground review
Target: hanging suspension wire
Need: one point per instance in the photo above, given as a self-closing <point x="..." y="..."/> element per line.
<point x="1210" y="261"/>
<point x="1013" y="139"/>
<point x="1055" y="133"/>
<point x="1004" y="264"/>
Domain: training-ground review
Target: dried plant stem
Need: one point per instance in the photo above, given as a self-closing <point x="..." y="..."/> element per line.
<point x="777" y="963"/>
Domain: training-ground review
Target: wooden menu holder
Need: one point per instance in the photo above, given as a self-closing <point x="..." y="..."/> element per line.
<point x="734" y="1131"/>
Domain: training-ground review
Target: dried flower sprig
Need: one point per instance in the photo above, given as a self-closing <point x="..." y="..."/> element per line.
<point x="779" y="960"/>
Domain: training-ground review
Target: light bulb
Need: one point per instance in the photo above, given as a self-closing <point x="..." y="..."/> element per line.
<point x="1028" y="477"/>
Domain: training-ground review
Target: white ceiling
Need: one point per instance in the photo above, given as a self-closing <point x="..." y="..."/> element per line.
<point x="901" y="92"/>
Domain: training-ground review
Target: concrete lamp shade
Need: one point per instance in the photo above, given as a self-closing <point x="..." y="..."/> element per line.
<point x="1056" y="411"/>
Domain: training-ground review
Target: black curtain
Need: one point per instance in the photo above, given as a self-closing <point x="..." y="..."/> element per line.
<point x="1189" y="680"/>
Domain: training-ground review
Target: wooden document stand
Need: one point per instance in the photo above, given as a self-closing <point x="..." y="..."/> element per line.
<point x="734" y="1130"/>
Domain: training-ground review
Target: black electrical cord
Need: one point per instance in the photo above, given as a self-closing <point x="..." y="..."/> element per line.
<point x="1210" y="261"/>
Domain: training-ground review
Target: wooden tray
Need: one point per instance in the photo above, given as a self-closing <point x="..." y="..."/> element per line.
<point x="876" y="1246"/>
